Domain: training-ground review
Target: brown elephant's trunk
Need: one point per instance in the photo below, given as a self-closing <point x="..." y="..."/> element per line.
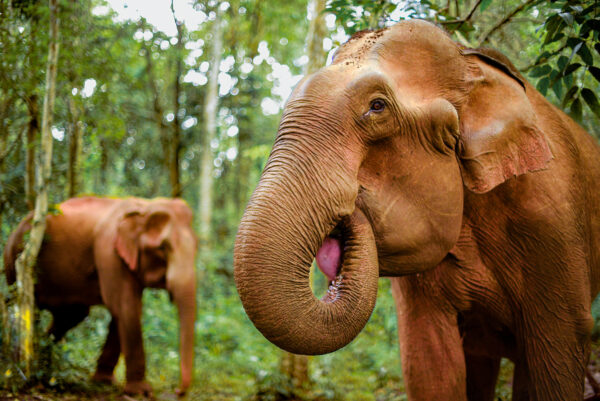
<point x="301" y="197"/>
<point x="183" y="290"/>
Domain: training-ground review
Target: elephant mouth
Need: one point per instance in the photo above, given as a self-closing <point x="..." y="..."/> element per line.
<point x="330" y="259"/>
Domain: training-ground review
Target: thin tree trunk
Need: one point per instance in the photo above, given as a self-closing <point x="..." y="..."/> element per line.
<point x="75" y="127"/>
<point x="296" y="367"/>
<point x="314" y="40"/>
<point x="210" y="132"/>
<point x="33" y="128"/>
<point x="175" y="143"/>
<point x="26" y="260"/>
<point x="103" y="164"/>
<point x="75" y="139"/>
<point x="157" y="107"/>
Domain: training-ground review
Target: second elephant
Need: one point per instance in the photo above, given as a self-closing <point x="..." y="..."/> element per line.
<point x="106" y="251"/>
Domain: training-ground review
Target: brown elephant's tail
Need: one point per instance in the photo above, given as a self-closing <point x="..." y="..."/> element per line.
<point x="14" y="247"/>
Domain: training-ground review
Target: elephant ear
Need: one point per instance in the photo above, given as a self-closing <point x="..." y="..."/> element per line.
<point x="127" y="241"/>
<point x="500" y="138"/>
<point x="157" y="229"/>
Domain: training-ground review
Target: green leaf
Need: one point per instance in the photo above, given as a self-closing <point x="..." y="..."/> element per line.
<point x="585" y="54"/>
<point x="567" y="17"/>
<point x="484" y="4"/>
<point x="542" y="85"/>
<point x="540" y="71"/>
<point x="594" y="24"/>
<point x="552" y="25"/>
<point x="576" y="109"/>
<point x="591" y="100"/>
<point x="575" y="50"/>
<point x="570" y="95"/>
<point x="597" y="47"/>
<point x="577" y="9"/>
<point x="571" y="68"/>
<point x="558" y="89"/>
<point x="562" y="62"/>
<point x="568" y="80"/>
<point x="595" y="71"/>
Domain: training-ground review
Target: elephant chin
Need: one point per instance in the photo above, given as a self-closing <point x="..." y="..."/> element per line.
<point x="287" y="312"/>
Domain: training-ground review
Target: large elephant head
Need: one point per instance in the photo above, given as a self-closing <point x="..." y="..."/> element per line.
<point x="156" y="241"/>
<point x="368" y="173"/>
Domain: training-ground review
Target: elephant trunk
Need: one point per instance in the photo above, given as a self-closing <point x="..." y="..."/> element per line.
<point x="302" y="196"/>
<point x="183" y="290"/>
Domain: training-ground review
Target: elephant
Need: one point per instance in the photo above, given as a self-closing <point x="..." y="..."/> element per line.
<point x="100" y="250"/>
<point x="439" y="166"/>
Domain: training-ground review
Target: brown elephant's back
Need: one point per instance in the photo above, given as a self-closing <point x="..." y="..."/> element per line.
<point x="66" y="273"/>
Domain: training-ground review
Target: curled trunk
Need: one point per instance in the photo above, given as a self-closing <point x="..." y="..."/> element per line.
<point x="283" y="227"/>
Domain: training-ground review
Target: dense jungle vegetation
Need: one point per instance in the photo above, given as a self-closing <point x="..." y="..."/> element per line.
<point x="183" y="98"/>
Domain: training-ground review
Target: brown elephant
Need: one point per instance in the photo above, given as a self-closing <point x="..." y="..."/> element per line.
<point x="106" y="251"/>
<point x="415" y="158"/>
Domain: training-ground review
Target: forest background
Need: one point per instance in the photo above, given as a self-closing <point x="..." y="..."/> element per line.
<point x="188" y="105"/>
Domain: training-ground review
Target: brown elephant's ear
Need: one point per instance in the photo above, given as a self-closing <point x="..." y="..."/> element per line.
<point x="126" y="243"/>
<point x="157" y="229"/>
<point x="500" y="138"/>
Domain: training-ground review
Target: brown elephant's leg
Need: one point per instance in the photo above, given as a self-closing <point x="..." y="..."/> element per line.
<point x="520" y="382"/>
<point x="110" y="354"/>
<point x="65" y="318"/>
<point x="482" y="374"/>
<point x="122" y="295"/>
<point x="130" y="337"/>
<point x="433" y="360"/>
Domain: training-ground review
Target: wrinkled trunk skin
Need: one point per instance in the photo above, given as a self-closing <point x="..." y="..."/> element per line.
<point x="301" y="196"/>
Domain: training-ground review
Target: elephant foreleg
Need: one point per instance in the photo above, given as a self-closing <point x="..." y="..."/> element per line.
<point x="110" y="354"/>
<point x="482" y="374"/>
<point x="433" y="361"/>
<point x="130" y="336"/>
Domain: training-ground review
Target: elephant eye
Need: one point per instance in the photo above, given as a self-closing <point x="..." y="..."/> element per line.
<point x="377" y="105"/>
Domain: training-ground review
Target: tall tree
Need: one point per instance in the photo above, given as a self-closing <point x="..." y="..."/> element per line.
<point x="210" y="132"/>
<point x="175" y="142"/>
<point x="26" y="260"/>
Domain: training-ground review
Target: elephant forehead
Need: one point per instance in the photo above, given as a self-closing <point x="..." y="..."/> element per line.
<point x="330" y="83"/>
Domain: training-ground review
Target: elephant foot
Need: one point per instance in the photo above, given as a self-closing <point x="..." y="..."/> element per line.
<point x="138" y="388"/>
<point x="104" y="378"/>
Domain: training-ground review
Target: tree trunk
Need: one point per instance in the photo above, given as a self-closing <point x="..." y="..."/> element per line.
<point x="103" y="164"/>
<point x="314" y="40"/>
<point x="210" y="132"/>
<point x="33" y="128"/>
<point x="75" y="139"/>
<point x="157" y="107"/>
<point x="26" y="260"/>
<point x="175" y="143"/>
<point x="296" y="367"/>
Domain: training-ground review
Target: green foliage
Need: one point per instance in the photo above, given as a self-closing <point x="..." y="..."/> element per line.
<point x="570" y="54"/>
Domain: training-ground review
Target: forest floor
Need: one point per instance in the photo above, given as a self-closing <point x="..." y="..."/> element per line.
<point x="90" y="392"/>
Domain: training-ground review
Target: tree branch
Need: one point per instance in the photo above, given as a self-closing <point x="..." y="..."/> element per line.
<point x="543" y="60"/>
<point x="505" y="21"/>
<point x="462" y="20"/>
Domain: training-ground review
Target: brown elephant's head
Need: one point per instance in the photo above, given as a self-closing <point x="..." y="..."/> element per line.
<point x="156" y="241"/>
<point x="367" y="174"/>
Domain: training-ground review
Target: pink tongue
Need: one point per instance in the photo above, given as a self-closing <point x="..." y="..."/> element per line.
<point x="329" y="257"/>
